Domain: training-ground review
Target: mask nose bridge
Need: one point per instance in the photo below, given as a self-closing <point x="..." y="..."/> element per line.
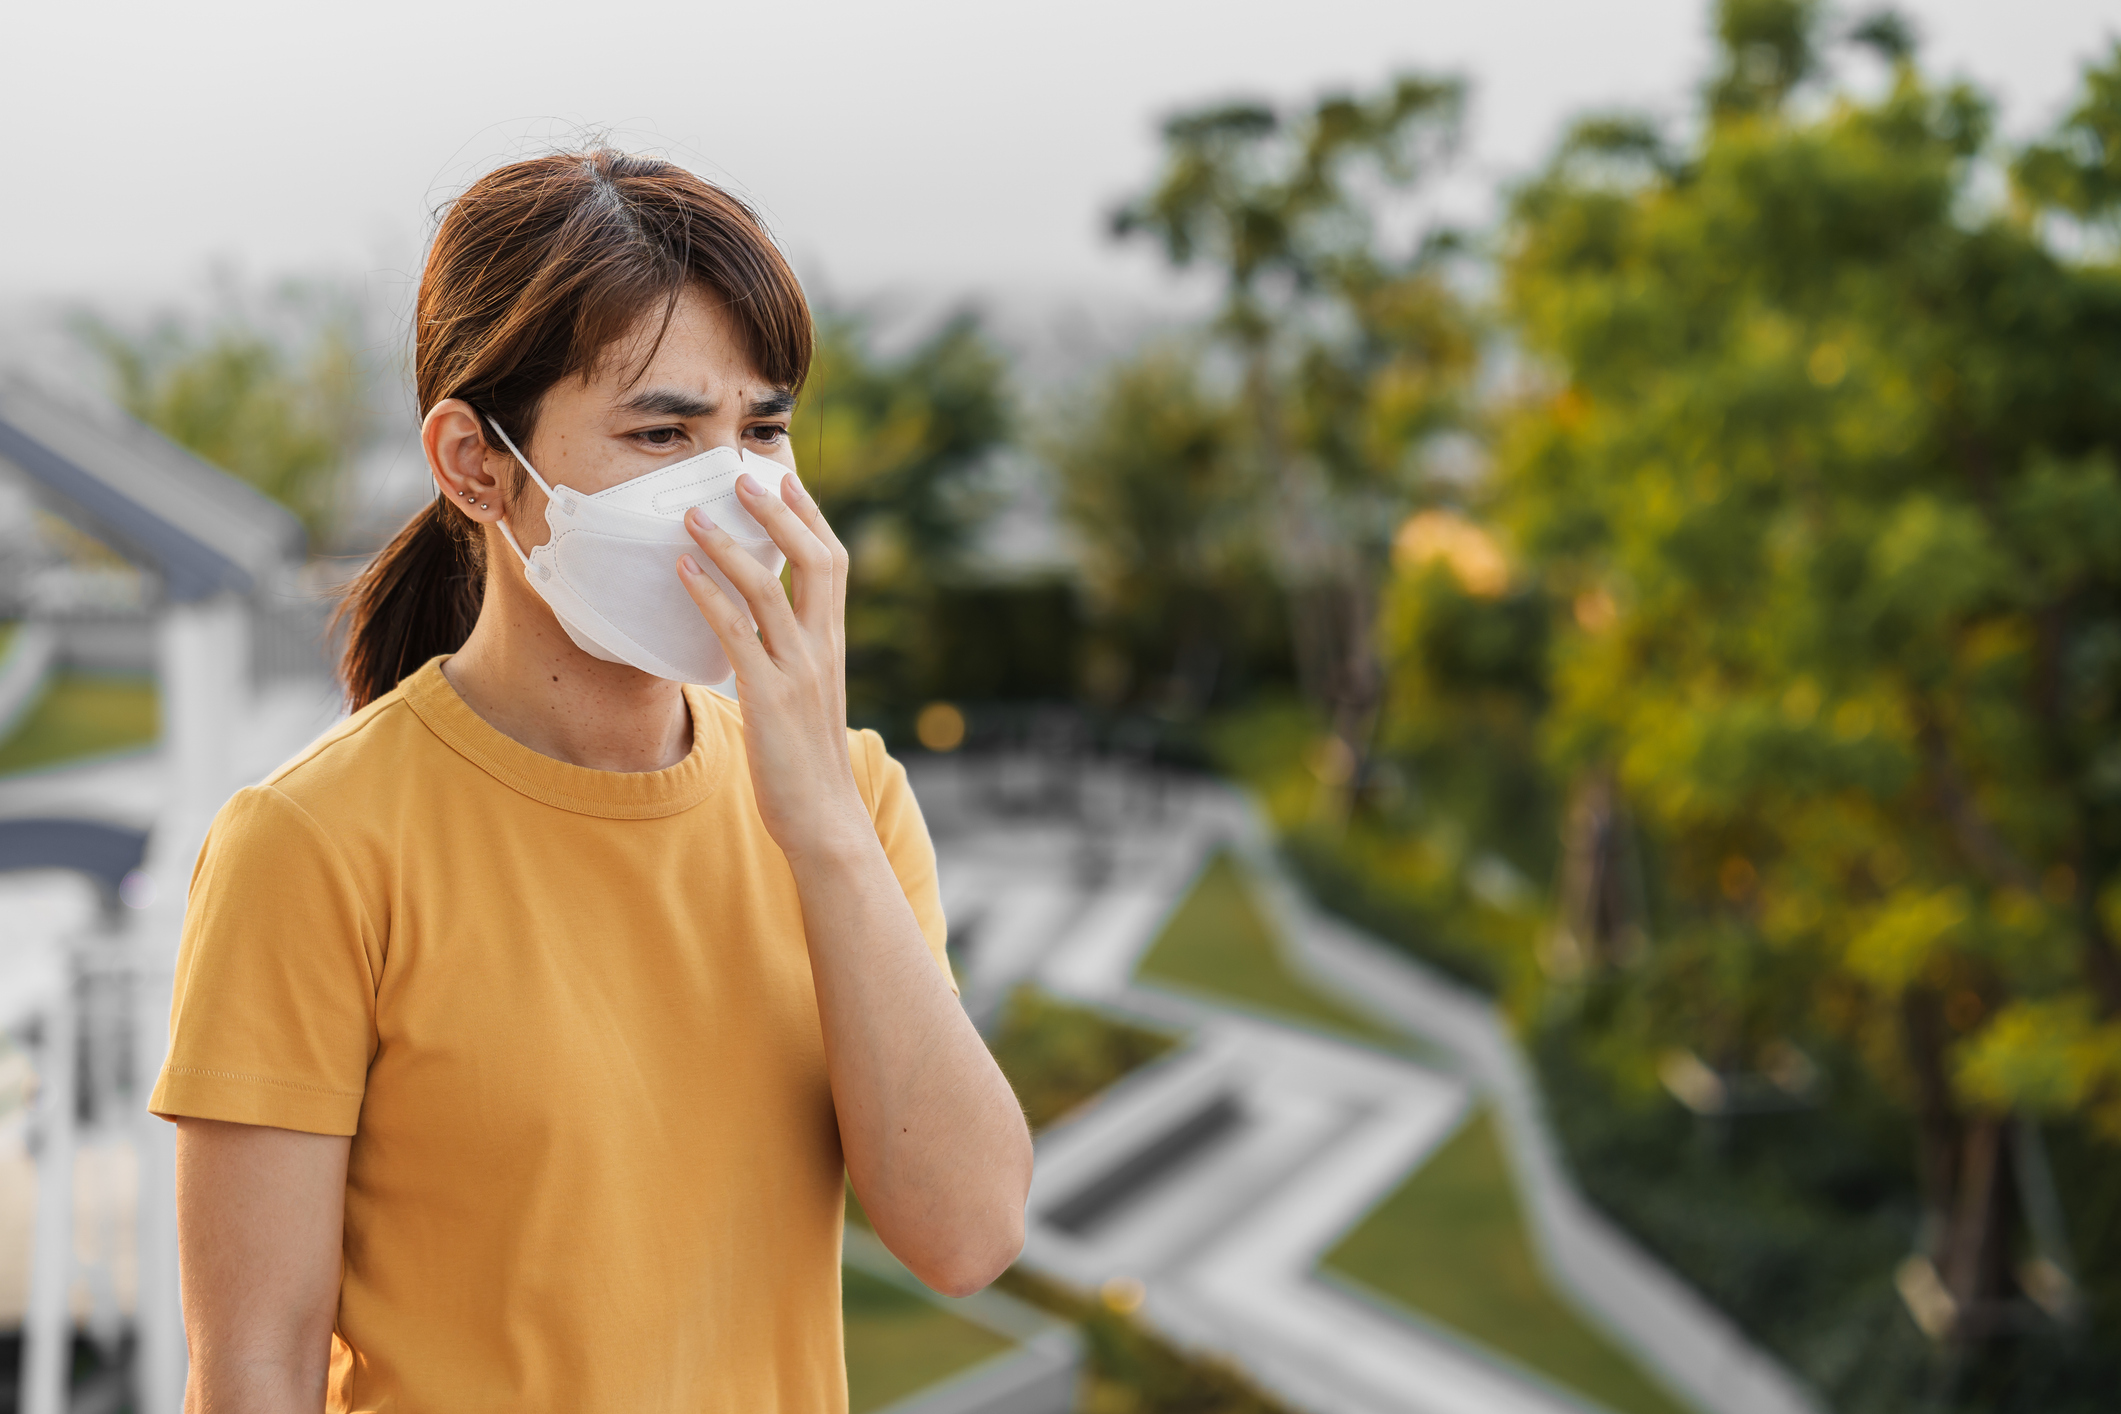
<point x="702" y="468"/>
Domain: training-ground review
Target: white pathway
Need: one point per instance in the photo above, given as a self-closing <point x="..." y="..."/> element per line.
<point x="1616" y="1285"/>
<point x="1316" y="1131"/>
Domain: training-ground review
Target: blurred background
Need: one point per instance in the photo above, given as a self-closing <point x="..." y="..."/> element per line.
<point x="1508" y="619"/>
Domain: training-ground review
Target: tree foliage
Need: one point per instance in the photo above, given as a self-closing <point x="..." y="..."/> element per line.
<point x="2077" y="170"/>
<point x="1818" y="469"/>
<point x="274" y="391"/>
<point x="895" y="447"/>
<point x="893" y="444"/>
<point x="1155" y="486"/>
<point x="1782" y="631"/>
<point x="1354" y="345"/>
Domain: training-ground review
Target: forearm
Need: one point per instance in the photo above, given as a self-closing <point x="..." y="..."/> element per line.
<point x="934" y="1139"/>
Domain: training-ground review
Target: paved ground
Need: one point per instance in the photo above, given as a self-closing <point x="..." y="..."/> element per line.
<point x="1618" y="1287"/>
<point x="1226" y="1243"/>
<point x="1294" y="1135"/>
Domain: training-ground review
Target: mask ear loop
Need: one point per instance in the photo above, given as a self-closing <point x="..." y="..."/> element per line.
<point x="506" y="533"/>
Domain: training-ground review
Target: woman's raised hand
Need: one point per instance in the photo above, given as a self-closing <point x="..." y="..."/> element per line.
<point x="791" y="671"/>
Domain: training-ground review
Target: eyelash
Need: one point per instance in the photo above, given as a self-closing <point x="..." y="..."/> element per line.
<point x="660" y="437"/>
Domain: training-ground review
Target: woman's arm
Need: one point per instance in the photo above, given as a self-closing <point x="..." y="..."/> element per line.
<point x="259" y="1218"/>
<point x="934" y="1139"/>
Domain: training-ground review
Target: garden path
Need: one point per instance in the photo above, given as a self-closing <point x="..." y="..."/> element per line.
<point x="1209" y="1186"/>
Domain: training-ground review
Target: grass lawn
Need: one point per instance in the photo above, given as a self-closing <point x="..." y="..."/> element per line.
<point x="898" y="1343"/>
<point x="1219" y="942"/>
<point x="1451" y="1244"/>
<point x="81" y="715"/>
<point x="1059" y="1056"/>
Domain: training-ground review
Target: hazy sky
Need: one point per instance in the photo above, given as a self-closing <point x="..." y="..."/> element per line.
<point x="923" y="147"/>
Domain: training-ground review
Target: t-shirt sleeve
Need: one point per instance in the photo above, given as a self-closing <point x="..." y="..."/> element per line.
<point x="273" y="1018"/>
<point x="906" y="844"/>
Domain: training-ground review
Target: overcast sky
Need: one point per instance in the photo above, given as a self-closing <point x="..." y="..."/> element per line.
<point x="923" y="147"/>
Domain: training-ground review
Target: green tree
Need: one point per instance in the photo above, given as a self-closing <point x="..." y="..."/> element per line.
<point x="1819" y="471"/>
<point x="273" y="391"/>
<point x="894" y="445"/>
<point x="1465" y="634"/>
<point x="1353" y="350"/>
<point x="895" y="449"/>
<point x="1154" y="484"/>
<point x="2077" y="171"/>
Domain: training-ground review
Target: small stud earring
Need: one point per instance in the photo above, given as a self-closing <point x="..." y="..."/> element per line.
<point x="482" y="505"/>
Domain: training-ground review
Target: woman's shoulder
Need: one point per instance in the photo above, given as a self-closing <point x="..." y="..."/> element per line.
<point x="301" y="818"/>
<point x="369" y="751"/>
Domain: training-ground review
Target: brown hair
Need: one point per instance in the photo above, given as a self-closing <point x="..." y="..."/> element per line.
<point x="535" y="271"/>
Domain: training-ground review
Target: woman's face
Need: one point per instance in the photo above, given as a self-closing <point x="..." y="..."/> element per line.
<point x="698" y="392"/>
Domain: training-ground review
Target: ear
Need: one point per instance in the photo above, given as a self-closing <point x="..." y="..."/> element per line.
<point x="465" y="469"/>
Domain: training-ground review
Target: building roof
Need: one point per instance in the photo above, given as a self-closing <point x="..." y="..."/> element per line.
<point x="200" y="529"/>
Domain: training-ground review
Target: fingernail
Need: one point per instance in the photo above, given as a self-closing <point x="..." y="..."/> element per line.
<point x="750" y="484"/>
<point x="697" y="516"/>
<point x="688" y="564"/>
<point x="797" y="482"/>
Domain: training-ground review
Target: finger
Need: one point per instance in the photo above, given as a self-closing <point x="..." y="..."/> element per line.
<point x="762" y="591"/>
<point x="834" y="612"/>
<point x="726" y="617"/>
<point x="810" y="561"/>
<point x="806" y="510"/>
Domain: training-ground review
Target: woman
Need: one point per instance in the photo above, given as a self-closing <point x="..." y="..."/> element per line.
<point x="525" y="1022"/>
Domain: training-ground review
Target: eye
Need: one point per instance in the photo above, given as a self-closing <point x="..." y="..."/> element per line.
<point x="770" y="433"/>
<point x="659" y="436"/>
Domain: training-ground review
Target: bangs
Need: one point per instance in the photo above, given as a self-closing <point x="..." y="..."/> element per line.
<point x="666" y="248"/>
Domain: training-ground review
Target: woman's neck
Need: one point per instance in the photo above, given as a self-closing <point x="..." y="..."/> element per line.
<point x="526" y="679"/>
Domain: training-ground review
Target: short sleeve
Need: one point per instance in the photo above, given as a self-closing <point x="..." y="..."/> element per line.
<point x="273" y="1018"/>
<point x="906" y="844"/>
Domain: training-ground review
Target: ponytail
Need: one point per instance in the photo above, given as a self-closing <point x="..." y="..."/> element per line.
<point x="418" y="598"/>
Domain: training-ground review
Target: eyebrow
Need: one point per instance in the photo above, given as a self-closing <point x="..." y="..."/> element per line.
<point x="671" y="402"/>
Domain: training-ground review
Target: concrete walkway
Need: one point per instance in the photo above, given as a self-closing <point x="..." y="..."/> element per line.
<point x="1219" y="1177"/>
<point x="1612" y="1282"/>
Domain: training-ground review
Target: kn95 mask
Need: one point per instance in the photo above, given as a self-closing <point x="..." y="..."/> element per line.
<point x="608" y="570"/>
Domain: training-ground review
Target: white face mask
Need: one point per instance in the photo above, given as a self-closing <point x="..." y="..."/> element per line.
<point x="609" y="567"/>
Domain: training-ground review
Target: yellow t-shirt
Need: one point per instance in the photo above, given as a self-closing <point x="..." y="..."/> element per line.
<point x="567" y="1017"/>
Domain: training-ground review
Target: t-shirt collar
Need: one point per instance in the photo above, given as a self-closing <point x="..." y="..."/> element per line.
<point x="614" y="795"/>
